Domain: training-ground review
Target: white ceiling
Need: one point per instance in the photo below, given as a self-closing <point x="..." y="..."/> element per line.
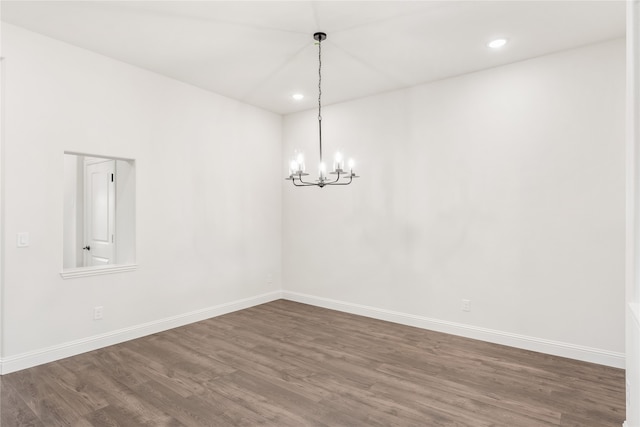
<point x="262" y="52"/>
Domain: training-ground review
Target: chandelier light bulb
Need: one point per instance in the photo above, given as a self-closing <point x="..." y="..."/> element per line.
<point x="352" y="163"/>
<point x="300" y="161"/>
<point x="323" y="170"/>
<point x="293" y="167"/>
<point x="338" y="162"/>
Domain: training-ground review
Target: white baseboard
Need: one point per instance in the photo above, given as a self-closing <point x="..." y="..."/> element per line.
<point x="61" y="351"/>
<point x="57" y="352"/>
<point x="572" y="351"/>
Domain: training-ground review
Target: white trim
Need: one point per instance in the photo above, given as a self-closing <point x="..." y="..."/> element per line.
<point x="61" y="351"/>
<point x="587" y="354"/>
<point x="103" y="156"/>
<point x="634" y="309"/>
<point x="73" y="348"/>
<point x="99" y="270"/>
<point x="2" y="208"/>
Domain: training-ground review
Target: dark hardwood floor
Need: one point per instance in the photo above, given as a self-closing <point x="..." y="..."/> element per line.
<point x="289" y="364"/>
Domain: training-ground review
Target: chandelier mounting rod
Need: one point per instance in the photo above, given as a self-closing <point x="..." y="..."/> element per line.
<point x="319" y="37"/>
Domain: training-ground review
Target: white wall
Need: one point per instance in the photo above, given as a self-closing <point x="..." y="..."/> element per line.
<point x="2" y="234"/>
<point x="70" y="213"/>
<point x="125" y="211"/>
<point x="208" y="196"/>
<point x="632" y="308"/>
<point x="504" y="187"/>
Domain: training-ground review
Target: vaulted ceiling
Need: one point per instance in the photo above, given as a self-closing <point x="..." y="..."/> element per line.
<point x="262" y="52"/>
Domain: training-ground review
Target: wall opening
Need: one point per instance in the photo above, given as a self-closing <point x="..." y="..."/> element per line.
<point x="99" y="212"/>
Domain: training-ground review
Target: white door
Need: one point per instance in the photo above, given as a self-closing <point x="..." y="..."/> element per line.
<point x="99" y="212"/>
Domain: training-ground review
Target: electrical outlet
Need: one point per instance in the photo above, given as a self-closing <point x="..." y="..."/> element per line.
<point x="269" y="278"/>
<point x="98" y="312"/>
<point x="466" y="305"/>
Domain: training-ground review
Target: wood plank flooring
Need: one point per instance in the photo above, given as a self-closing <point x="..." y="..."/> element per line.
<point x="289" y="364"/>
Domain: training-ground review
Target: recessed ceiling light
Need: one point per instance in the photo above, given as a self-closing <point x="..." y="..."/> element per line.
<point x="497" y="43"/>
<point x="297" y="96"/>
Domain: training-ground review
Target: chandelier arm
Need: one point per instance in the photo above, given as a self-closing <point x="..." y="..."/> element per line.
<point x="304" y="184"/>
<point x="341" y="183"/>
<point x="335" y="180"/>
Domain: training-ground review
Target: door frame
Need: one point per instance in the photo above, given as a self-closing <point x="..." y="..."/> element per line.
<point x="87" y="221"/>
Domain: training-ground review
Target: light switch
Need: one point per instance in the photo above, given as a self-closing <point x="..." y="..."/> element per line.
<point x="23" y="240"/>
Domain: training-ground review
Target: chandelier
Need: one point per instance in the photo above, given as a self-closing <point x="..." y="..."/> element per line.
<point x="297" y="166"/>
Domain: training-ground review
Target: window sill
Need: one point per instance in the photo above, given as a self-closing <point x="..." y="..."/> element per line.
<point x="73" y="273"/>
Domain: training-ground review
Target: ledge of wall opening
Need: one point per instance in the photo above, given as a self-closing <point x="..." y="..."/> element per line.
<point x="73" y="273"/>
